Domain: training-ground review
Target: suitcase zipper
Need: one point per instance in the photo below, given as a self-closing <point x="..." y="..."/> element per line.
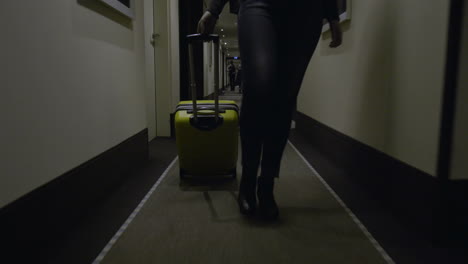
<point x="221" y="107"/>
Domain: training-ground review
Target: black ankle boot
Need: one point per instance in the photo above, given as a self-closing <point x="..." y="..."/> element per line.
<point x="266" y="201"/>
<point x="246" y="199"/>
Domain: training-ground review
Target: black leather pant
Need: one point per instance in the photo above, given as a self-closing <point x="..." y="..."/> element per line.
<point x="276" y="44"/>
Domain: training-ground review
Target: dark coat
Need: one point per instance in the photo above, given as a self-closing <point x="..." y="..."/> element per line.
<point x="216" y="7"/>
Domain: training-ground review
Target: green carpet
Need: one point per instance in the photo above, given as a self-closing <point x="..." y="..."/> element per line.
<point x="199" y="222"/>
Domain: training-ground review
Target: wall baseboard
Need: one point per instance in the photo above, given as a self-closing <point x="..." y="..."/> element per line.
<point x="52" y="209"/>
<point x="421" y="201"/>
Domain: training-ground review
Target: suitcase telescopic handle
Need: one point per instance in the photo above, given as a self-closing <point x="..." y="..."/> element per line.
<point x="204" y="38"/>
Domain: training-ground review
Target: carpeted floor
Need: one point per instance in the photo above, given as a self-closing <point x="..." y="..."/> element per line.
<point x="199" y="222"/>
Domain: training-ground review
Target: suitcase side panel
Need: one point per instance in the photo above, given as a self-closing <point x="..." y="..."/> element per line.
<point x="207" y="152"/>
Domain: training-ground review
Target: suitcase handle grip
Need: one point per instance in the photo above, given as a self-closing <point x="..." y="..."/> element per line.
<point x="205" y="38"/>
<point x="202" y="108"/>
<point x="206" y="123"/>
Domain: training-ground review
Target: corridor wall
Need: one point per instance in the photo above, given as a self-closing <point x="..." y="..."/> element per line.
<point x="383" y="87"/>
<point x="72" y="88"/>
<point x="459" y="168"/>
<point x="208" y="64"/>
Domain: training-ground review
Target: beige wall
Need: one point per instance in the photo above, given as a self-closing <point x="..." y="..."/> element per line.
<point x="208" y="64"/>
<point x="150" y="84"/>
<point x="460" y="144"/>
<point x="72" y="87"/>
<point x="162" y="68"/>
<point x="174" y="51"/>
<point x="166" y="63"/>
<point x="383" y="87"/>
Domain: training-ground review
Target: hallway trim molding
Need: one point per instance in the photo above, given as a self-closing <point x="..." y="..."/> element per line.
<point x="52" y="209"/>
<point x="449" y="98"/>
<point x="355" y="219"/>
<point x="433" y="209"/>
<point x="135" y="212"/>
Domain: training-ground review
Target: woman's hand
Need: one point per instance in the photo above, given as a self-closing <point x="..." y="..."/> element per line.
<point x="337" y="34"/>
<point x="207" y="23"/>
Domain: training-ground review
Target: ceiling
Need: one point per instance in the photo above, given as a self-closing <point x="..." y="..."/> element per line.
<point x="226" y="28"/>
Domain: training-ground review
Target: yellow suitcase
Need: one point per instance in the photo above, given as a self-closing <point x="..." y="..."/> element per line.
<point x="207" y="147"/>
<point x="207" y="139"/>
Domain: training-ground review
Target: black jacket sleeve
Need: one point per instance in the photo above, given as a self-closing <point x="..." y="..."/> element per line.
<point x="216" y="7"/>
<point x="331" y="10"/>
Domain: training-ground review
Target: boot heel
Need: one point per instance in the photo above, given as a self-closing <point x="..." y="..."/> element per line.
<point x="267" y="205"/>
<point x="246" y="200"/>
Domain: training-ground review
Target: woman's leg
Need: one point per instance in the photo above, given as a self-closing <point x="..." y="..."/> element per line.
<point x="303" y="25"/>
<point x="299" y="27"/>
<point x="258" y="49"/>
